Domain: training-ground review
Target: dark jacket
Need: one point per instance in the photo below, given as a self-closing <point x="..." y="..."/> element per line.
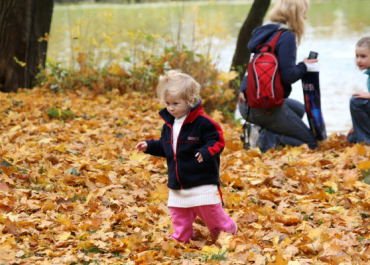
<point x="285" y="50"/>
<point x="199" y="133"/>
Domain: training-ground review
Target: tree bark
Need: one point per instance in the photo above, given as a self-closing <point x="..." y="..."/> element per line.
<point x="22" y="24"/>
<point x="242" y="53"/>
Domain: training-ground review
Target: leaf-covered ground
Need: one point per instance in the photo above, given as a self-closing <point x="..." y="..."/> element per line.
<point x="73" y="191"/>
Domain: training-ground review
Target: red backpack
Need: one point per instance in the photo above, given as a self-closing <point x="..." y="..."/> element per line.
<point x="264" y="87"/>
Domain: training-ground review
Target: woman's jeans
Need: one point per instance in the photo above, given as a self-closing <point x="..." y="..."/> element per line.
<point x="360" y="113"/>
<point x="282" y="125"/>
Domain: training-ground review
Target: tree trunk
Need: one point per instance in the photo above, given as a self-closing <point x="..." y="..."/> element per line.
<point x="22" y="25"/>
<point x="242" y="53"/>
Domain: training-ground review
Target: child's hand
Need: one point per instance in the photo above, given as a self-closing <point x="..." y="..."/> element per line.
<point x="306" y="60"/>
<point x="142" y="146"/>
<point x="364" y="95"/>
<point x="199" y="157"/>
<point x="350" y="132"/>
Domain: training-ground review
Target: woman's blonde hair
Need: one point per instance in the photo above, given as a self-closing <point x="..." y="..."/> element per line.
<point x="176" y="83"/>
<point x="291" y="13"/>
<point x="364" y="42"/>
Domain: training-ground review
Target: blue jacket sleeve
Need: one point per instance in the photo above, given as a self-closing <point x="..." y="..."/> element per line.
<point x="286" y="51"/>
<point x="212" y="136"/>
<point x="155" y="147"/>
<point x="243" y="86"/>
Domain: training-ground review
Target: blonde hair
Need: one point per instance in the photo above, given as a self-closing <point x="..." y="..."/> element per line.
<point x="290" y="12"/>
<point x="364" y="42"/>
<point x="176" y="83"/>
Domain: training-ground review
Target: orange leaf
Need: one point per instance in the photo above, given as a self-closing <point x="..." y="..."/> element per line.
<point x="12" y="226"/>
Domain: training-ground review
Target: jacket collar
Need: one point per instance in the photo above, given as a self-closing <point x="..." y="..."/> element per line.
<point x="194" y="112"/>
<point x="367" y="72"/>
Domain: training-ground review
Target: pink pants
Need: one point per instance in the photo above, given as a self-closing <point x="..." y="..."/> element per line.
<point x="213" y="215"/>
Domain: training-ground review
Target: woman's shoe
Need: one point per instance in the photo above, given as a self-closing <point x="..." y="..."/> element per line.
<point x="250" y="135"/>
<point x="254" y="133"/>
<point x="245" y="136"/>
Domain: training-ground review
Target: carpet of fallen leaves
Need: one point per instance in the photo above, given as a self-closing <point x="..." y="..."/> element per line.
<point x="73" y="190"/>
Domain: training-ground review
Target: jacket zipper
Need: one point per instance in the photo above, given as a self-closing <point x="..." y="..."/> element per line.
<point x="174" y="153"/>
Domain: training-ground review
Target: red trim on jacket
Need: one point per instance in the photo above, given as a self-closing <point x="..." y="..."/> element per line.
<point x="221" y="141"/>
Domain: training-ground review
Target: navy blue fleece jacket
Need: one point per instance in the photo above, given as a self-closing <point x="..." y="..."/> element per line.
<point x="285" y="50"/>
<point x="199" y="133"/>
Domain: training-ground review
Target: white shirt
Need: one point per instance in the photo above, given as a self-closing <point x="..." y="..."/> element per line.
<point x="176" y="127"/>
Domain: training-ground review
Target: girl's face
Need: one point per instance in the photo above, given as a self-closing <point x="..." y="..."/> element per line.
<point x="176" y="106"/>
<point x="363" y="57"/>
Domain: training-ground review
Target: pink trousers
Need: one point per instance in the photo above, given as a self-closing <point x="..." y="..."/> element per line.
<point x="213" y="215"/>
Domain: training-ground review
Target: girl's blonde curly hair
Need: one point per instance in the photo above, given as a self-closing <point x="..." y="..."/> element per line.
<point x="177" y="83"/>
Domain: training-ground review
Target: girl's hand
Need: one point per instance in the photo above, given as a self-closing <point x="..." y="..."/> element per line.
<point x="241" y="97"/>
<point x="364" y="95"/>
<point x="306" y="60"/>
<point x="142" y="146"/>
<point x="199" y="157"/>
<point x="350" y="132"/>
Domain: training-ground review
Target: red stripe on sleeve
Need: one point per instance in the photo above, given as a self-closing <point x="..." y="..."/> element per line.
<point x="220" y="142"/>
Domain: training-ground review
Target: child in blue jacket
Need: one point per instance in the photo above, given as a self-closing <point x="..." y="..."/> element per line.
<point x="192" y="143"/>
<point x="359" y="104"/>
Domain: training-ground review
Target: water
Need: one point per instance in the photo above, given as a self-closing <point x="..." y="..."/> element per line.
<point x="333" y="28"/>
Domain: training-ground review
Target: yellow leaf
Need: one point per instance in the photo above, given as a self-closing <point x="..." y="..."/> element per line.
<point x="336" y="209"/>
<point x="229" y="94"/>
<point x="257" y="226"/>
<point x="226" y="77"/>
<point x="160" y="194"/>
<point x="286" y="242"/>
<point x="49" y="206"/>
<point x="108" y="40"/>
<point x="46" y="140"/>
<point x="295" y="150"/>
<point x="106" y="167"/>
<point x="42" y="181"/>
<point x="61" y="148"/>
<point x="234" y="199"/>
<point x="165" y="223"/>
<point x="46" y="117"/>
<point x="64" y="236"/>
<point x="365" y="165"/>
<point x="331" y="184"/>
<point x="256" y="181"/>
<point x="314" y="233"/>
<point x="5" y="178"/>
<point x="207" y="250"/>
<point x="137" y="157"/>
<point x="217" y="116"/>
<point x="15" y="128"/>
<point x="7" y="254"/>
<point x="361" y="150"/>
<point x="287" y="219"/>
<point x="280" y="260"/>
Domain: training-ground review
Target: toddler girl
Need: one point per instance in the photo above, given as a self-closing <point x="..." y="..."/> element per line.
<point x="192" y="143"/>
